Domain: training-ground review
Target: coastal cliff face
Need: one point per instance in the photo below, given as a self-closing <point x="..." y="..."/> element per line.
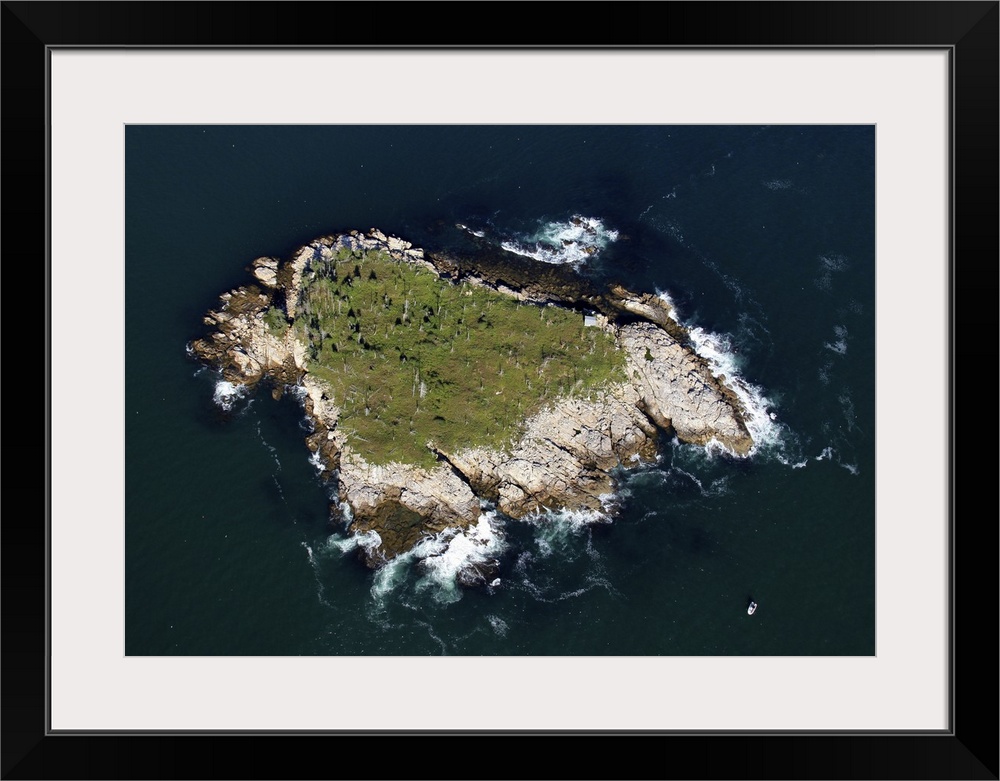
<point x="564" y="455"/>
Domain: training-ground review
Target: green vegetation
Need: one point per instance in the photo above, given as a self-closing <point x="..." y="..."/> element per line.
<point x="276" y="322"/>
<point x="412" y="358"/>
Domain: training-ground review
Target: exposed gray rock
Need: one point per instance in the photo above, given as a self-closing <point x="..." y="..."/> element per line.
<point x="397" y="245"/>
<point x="677" y="389"/>
<point x="403" y="502"/>
<point x="266" y="271"/>
<point x="293" y="287"/>
<point x="566" y="455"/>
<point x="243" y="347"/>
<point x="568" y="451"/>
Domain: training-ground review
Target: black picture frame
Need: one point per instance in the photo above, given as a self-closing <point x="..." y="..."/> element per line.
<point x="968" y="30"/>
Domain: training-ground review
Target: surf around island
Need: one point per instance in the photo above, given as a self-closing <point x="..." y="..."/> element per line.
<point x="441" y="390"/>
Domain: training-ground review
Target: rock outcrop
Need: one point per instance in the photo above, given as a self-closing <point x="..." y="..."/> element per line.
<point x="403" y="502"/>
<point x="568" y="451"/>
<point x="677" y="389"/>
<point x="244" y="347"/>
<point x="565" y="457"/>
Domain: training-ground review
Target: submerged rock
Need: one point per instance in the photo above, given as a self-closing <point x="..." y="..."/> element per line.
<point x="566" y="451"/>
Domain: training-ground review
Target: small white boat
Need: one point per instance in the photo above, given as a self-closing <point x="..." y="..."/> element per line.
<point x="751" y="608"/>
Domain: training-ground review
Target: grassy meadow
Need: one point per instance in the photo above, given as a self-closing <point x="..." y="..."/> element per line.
<point x="412" y="358"/>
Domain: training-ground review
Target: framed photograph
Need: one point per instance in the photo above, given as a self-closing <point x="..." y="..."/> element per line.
<point x="781" y="193"/>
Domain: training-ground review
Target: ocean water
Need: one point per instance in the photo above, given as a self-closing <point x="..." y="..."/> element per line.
<point x="764" y="239"/>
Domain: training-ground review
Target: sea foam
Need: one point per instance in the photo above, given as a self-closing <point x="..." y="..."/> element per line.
<point x="828" y="266"/>
<point x="498" y="625"/>
<point x="439" y="560"/>
<point x="368" y="540"/>
<point x="718" y="351"/>
<point x="317" y="461"/>
<point x="445" y="555"/>
<point x="572" y="241"/>
<point x="760" y="421"/>
<point x="471" y="231"/>
<point x="839" y="345"/>
<point x="556" y="530"/>
<point x="226" y="394"/>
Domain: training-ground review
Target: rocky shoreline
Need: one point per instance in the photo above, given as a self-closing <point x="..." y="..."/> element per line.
<point x="567" y="452"/>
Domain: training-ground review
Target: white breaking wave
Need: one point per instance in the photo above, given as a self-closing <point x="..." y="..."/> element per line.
<point x="665" y="297"/>
<point x="227" y="393"/>
<point x="445" y="555"/>
<point x="316" y="461"/>
<point x="572" y="519"/>
<point x="368" y="540"/>
<point x="477" y="233"/>
<point x="573" y="241"/>
<point x="441" y="558"/>
<point x="717" y="350"/>
<point x="778" y="184"/>
<point x="297" y="391"/>
<point x="390" y="575"/>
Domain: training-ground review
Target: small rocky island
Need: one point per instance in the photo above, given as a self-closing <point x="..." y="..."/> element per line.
<point x="434" y="384"/>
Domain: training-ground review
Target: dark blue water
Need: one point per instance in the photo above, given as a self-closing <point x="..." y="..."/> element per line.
<point x="762" y="236"/>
